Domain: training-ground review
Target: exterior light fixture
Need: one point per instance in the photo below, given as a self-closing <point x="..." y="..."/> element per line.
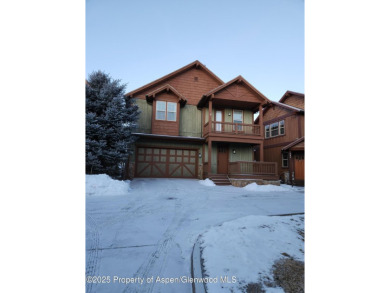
<point x="200" y="155"/>
<point x="234" y="151"/>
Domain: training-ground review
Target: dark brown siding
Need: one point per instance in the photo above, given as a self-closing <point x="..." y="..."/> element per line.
<point x="274" y="112"/>
<point x="295" y="101"/>
<point x="187" y="85"/>
<point x="162" y="126"/>
<point x="302" y="124"/>
<point x="275" y="155"/>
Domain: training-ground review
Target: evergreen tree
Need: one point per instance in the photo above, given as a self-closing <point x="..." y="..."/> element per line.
<point x="109" y="124"/>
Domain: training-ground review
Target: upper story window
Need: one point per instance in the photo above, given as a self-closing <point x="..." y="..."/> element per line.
<point x="281" y="127"/>
<point x="166" y="111"/>
<point x="238" y="117"/>
<point x="274" y="129"/>
<point x="267" y="131"/>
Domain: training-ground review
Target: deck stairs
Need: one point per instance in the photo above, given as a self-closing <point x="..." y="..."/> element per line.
<point x="220" y="179"/>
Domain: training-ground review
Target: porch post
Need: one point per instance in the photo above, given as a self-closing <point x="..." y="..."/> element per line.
<point x="209" y="157"/>
<point x="210" y="114"/>
<point x="261" y="121"/>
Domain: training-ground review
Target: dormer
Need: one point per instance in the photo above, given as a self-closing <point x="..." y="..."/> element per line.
<point x="166" y="102"/>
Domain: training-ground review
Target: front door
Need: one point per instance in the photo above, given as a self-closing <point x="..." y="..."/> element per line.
<point x="299" y="166"/>
<point x="222" y="158"/>
<point x="218" y="118"/>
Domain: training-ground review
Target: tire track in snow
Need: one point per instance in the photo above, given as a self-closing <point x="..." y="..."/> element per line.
<point x="155" y="263"/>
<point x="92" y="251"/>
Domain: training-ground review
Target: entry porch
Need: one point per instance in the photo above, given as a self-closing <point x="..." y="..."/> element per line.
<point x="223" y="160"/>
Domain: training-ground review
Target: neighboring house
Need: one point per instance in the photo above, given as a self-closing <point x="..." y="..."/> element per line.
<point x="193" y="125"/>
<point x="284" y="126"/>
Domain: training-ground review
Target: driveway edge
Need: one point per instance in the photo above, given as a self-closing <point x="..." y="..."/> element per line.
<point x="196" y="268"/>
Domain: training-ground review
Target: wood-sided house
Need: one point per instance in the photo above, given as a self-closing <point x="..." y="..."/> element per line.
<point x="193" y="125"/>
<point x="284" y="126"/>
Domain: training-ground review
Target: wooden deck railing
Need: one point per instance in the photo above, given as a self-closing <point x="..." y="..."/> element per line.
<point x="253" y="168"/>
<point x="231" y="128"/>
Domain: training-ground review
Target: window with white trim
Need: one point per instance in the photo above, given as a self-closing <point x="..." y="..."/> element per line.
<point x="274" y="129"/>
<point x="267" y="131"/>
<point x="166" y="111"/>
<point x="284" y="160"/>
<point x="281" y="127"/>
<point x="171" y="109"/>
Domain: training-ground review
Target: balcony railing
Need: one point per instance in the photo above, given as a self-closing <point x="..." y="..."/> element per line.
<point x="253" y="168"/>
<point x="231" y="128"/>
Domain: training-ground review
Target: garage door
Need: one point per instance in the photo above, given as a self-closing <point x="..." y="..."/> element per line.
<point x="166" y="162"/>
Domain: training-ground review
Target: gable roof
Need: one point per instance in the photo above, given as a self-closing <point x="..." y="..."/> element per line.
<point x="299" y="140"/>
<point x="196" y="64"/>
<point x="285" y="106"/>
<point x="168" y="88"/>
<point x="288" y="94"/>
<point x="288" y="107"/>
<point x="238" y="79"/>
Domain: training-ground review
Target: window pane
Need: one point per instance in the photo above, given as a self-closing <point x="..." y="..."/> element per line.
<point x="281" y="127"/>
<point x="237" y="116"/>
<point x="171" y="107"/>
<point x="171" y="116"/>
<point x="285" y="160"/>
<point x="267" y="131"/>
<point x="160" y="115"/>
<point x="274" y="129"/>
<point x="161" y="106"/>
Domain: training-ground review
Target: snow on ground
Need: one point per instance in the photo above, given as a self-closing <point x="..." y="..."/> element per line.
<point x="150" y="232"/>
<point x="102" y="185"/>
<point x="207" y="182"/>
<point x="264" y="188"/>
<point x="245" y="249"/>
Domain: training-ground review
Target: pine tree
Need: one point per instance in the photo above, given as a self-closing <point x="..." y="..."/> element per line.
<point x="109" y="125"/>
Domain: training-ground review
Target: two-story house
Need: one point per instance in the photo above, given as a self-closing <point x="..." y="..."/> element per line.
<point x="194" y="125"/>
<point x="284" y="127"/>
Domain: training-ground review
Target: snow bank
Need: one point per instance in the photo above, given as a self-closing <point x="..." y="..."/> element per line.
<point x="101" y="185"/>
<point x="264" y="188"/>
<point x="207" y="182"/>
<point x="247" y="249"/>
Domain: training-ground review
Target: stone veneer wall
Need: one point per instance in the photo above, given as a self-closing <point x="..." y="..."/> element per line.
<point x="245" y="182"/>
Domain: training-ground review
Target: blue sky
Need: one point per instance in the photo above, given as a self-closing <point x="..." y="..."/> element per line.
<point x="140" y="41"/>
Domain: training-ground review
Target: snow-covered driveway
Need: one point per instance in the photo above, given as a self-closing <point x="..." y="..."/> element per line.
<point x="151" y="231"/>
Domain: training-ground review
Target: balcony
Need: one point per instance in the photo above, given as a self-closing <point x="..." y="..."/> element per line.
<point x="231" y="129"/>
